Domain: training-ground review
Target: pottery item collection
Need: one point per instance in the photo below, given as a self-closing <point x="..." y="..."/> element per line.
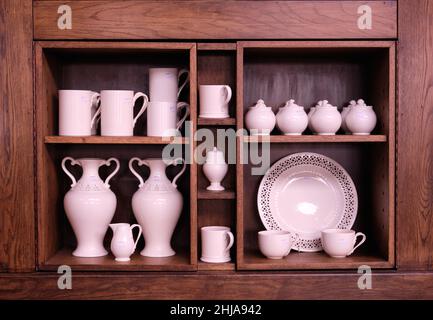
<point x="292" y="119"/>
<point x="214" y="101"/>
<point x="260" y="120"/>
<point x="340" y="243"/>
<point x="117" y="111"/>
<point x="361" y="119"/>
<point x="90" y="205"/>
<point x="216" y="242"/>
<point x="122" y="243"/>
<point x="157" y="205"/>
<point x="305" y="193"/>
<point x="326" y="119"/>
<point x="276" y="244"/>
<point x="164" y="84"/>
<point x="215" y="169"/>
<point x="78" y="112"/>
<point x="322" y="119"/>
<point x="162" y="118"/>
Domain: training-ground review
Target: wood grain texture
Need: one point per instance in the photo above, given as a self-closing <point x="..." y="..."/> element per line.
<point x="215" y="195"/>
<point x="116" y="140"/>
<point x="209" y="20"/>
<point x="17" y="222"/>
<point x="415" y="136"/>
<point x="254" y="260"/>
<point x="315" y="138"/>
<point x="178" y="262"/>
<point x="216" y="122"/>
<point x="219" y="286"/>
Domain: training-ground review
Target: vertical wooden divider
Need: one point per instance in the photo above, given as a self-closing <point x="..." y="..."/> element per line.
<point x="192" y="146"/>
<point x="239" y="155"/>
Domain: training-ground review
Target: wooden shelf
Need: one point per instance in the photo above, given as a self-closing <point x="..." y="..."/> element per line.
<point x="178" y="262"/>
<point x="311" y="260"/>
<point x="216" y="122"/>
<point x="215" y="195"/>
<point x="315" y="138"/>
<point x="115" y="140"/>
<point x="228" y="266"/>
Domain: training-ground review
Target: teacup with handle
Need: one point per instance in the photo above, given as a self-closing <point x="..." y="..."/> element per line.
<point x="340" y="243"/>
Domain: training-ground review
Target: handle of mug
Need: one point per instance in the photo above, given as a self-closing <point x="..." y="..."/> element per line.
<point x="97" y="116"/>
<point x="174" y="162"/>
<point x="143" y="107"/>
<point x="181" y="72"/>
<point x="135" y="173"/>
<point x="231" y="242"/>
<point x="182" y="105"/>
<point x="73" y="162"/>
<point x="229" y="94"/>
<point x="138" y="236"/>
<point x="358" y="234"/>
<point x="108" y="163"/>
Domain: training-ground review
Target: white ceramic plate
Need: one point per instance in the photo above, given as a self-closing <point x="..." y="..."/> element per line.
<point x="305" y="193"/>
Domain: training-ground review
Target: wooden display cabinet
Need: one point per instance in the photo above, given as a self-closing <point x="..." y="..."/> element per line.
<point x="306" y="50"/>
<point x="98" y="66"/>
<point x="338" y="71"/>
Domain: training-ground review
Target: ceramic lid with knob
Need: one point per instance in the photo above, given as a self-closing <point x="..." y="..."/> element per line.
<point x="324" y="104"/>
<point x="361" y="103"/>
<point x="260" y="104"/>
<point x="291" y="104"/>
<point x="215" y="156"/>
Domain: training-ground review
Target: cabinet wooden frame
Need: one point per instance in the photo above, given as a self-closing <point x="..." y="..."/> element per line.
<point x="374" y="156"/>
<point x="62" y="64"/>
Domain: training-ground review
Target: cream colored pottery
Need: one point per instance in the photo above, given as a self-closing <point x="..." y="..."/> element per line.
<point x="260" y="120"/>
<point x="326" y="120"/>
<point x="215" y="169"/>
<point x="361" y="119"/>
<point x="292" y="119"/>
<point x="123" y="244"/>
<point x="90" y="205"/>
<point x="157" y="205"/>
<point x="344" y="114"/>
<point x="340" y="243"/>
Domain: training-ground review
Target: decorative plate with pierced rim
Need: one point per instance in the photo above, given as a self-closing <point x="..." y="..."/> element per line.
<point x="305" y="193"/>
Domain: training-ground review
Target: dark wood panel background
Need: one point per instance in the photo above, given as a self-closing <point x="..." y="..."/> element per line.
<point x="214" y="20"/>
<point x="415" y="136"/>
<point x="17" y="233"/>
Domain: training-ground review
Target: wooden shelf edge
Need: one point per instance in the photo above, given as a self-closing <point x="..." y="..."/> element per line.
<point x="229" y="266"/>
<point x="216" y="122"/>
<point x="314" y="139"/>
<point x="178" y="262"/>
<point x="312" y="261"/>
<point x="216" y="195"/>
<point x="114" y="140"/>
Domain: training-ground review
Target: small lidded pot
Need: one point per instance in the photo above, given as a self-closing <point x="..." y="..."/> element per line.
<point x="344" y="114"/>
<point x="215" y="169"/>
<point x="361" y="119"/>
<point x="326" y="120"/>
<point x="292" y="119"/>
<point x="260" y="120"/>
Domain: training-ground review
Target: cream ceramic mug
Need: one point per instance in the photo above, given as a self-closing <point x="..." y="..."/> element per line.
<point x="164" y="84"/>
<point x="117" y="112"/>
<point x="276" y="244"/>
<point x="162" y="118"/>
<point x="78" y="112"/>
<point x="216" y="242"/>
<point x="339" y="243"/>
<point x="214" y="101"/>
